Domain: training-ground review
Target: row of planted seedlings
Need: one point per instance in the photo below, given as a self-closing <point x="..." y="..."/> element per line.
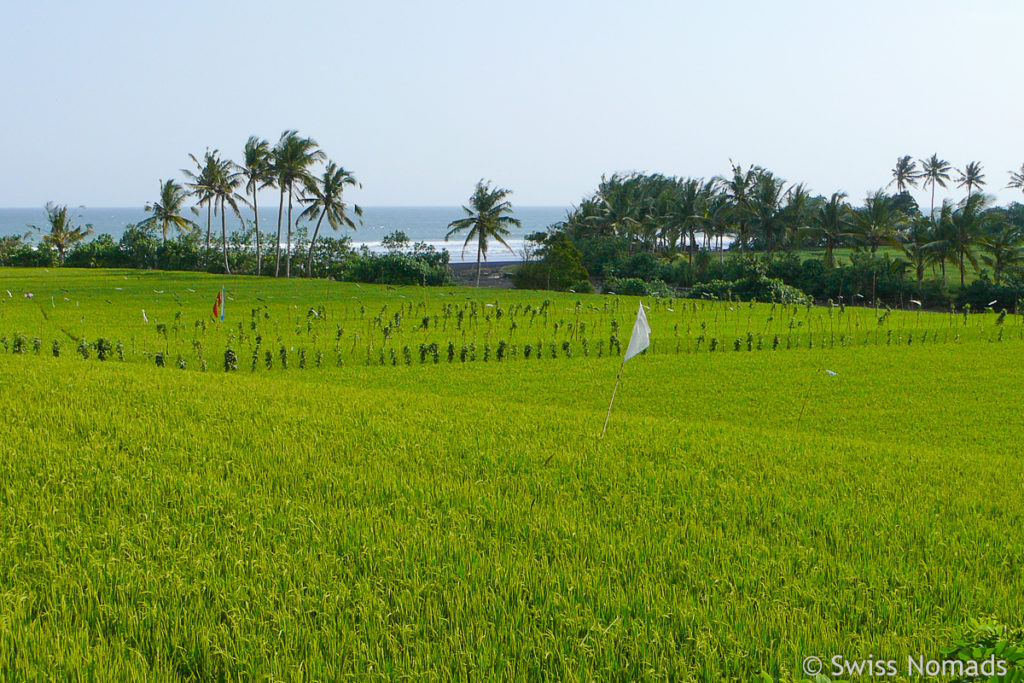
<point x="406" y="333"/>
<point x="284" y="356"/>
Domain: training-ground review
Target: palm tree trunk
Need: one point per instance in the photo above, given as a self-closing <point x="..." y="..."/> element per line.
<point x="256" y="214"/>
<point x="316" y="231"/>
<point x="288" y="250"/>
<point x="477" y="264"/>
<point x="932" y="214"/>
<point x="961" y="268"/>
<point x="224" y="236"/>
<point x="209" y="219"/>
<point x="277" y="245"/>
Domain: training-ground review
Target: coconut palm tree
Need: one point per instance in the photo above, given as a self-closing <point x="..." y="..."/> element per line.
<point x="617" y="212"/>
<point x="965" y="223"/>
<point x="683" y="213"/>
<point x="877" y="222"/>
<point x="227" y="180"/>
<point x="1003" y="250"/>
<point x="915" y="245"/>
<point x="764" y="203"/>
<point x="904" y="174"/>
<point x="1016" y="179"/>
<point x="61" y="235"/>
<point x="201" y="185"/>
<point x="971" y="177"/>
<point x="167" y="210"/>
<point x="292" y="158"/>
<point x="942" y="246"/>
<point x="796" y="214"/>
<point x="488" y="216"/>
<point x="737" y="188"/>
<point x="324" y="200"/>
<point x="831" y="224"/>
<point x="717" y="215"/>
<point x="935" y="171"/>
<point x="258" y="174"/>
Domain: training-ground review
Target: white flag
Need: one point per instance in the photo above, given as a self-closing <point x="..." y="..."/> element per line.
<point x="640" y="339"/>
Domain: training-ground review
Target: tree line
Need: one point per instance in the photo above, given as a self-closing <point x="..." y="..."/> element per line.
<point x="295" y="166"/>
<point x="753" y="209"/>
<point x="289" y="166"/>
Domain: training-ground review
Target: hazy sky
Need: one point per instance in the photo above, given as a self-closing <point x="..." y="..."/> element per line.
<point x="102" y="99"/>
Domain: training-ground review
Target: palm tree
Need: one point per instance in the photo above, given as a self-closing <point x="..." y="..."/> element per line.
<point x="1016" y="179"/>
<point x="616" y="210"/>
<point x="325" y="201"/>
<point x="796" y="214"/>
<point x="167" y="211"/>
<point x="62" y="235"/>
<point x="935" y="171"/>
<point x="764" y="208"/>
<point x="202" y="183"/>
<point x="831" y="223"/>
<point x="292" y="158"/>
<point x="915" y="245"/>
<point x="877" y="222"/>
<point x="943" y="244"/>
<point x="737" y="189"/>
<point x="258" y="174"/>
<point x="971" y="177"/>
<point x="1004" y="249"/>
<point x="905" y="174"/>
<point x="487" y="217"/>
<point x="227" y="180"/>
<point x="966" y="222"/>
<point x="683" y="211"/>
<point x="717" y="215"/>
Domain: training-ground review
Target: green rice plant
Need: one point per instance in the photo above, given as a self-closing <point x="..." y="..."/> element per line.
<point x="434" y="521"/>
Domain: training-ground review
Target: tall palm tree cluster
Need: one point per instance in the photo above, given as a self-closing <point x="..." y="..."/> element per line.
<point x="295" y="166"/>
<point x="751" y="208"/>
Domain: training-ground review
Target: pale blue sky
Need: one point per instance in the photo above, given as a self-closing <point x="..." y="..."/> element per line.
<point x="102" y="99"/>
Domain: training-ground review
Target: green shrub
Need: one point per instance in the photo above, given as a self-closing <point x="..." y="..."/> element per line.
<point x="632" y="286"/>
<point x="422" y="266"/>
<point x="560" y="266"/>
<point x="764" y="289"/>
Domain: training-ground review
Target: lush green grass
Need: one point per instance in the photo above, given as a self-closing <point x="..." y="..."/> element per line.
<point x="461" y="519"/>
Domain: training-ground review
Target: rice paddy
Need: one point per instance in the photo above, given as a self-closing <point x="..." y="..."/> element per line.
<point x="384" y="483"/>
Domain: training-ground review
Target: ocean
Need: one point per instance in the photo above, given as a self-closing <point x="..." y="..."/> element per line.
<point x="421" y="223"/>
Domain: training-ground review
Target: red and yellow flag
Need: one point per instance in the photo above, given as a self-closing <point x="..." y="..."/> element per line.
<point x="218" y="305"/>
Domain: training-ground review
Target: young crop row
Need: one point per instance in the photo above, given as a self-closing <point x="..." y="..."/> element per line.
<point x="254" y="351"/>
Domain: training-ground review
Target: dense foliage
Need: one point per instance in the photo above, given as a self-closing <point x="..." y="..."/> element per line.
<point x="557" y="265"/>
<point x="684" y="230"/>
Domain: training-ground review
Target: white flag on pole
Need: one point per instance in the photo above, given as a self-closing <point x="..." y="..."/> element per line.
<point x="640" y="339"/>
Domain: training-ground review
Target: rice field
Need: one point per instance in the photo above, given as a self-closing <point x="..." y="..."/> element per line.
<point x="385" y="484"/>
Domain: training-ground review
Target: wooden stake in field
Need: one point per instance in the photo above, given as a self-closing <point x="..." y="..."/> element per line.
<point x="639" y="340"/>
